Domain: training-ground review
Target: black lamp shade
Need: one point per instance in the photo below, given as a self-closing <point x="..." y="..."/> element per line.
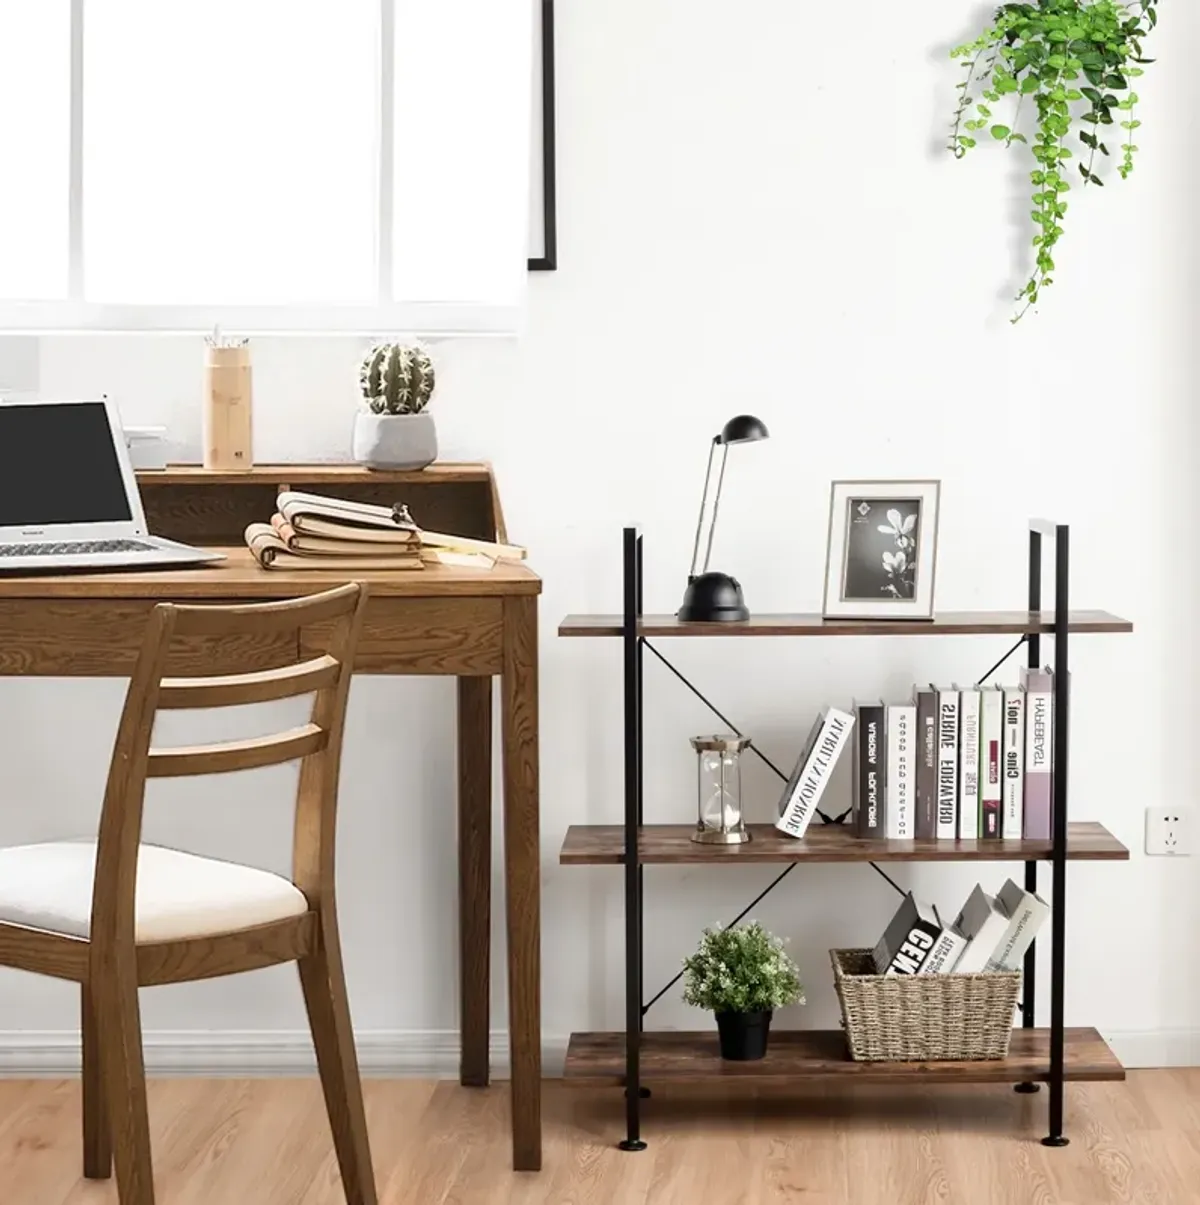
<point x="743" y="429"/>
<point x="713" y="598"/>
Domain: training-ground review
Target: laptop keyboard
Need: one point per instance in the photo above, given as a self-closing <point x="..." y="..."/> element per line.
<point x="74" y="548"/>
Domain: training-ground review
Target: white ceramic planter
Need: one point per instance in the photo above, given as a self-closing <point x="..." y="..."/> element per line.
<point x="394" y="441"/>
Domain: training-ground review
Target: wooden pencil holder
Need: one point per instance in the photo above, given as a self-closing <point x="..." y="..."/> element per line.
<point x="228" y="422"/>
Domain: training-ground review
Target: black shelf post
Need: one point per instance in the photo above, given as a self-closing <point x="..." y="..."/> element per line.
<point x="1058" y="914"/>
<point x="641" y="793"/>
<point x="1034" y="661"/>
<point x="632" y="648"/>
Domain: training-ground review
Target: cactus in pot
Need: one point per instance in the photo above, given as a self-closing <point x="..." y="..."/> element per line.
<point x="395" y="431"/>
<point x="396" y="379"/>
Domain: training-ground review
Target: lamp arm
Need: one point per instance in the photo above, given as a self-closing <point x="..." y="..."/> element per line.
<point x="703" y="505"/>
<point x="712" y="528"/>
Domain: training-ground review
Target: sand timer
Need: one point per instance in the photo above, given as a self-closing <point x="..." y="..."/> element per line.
<point x="719" y="789"/>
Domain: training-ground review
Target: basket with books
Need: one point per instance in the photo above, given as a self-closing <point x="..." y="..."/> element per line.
<point x="923" y="1018"/>
<point x="930" y="992"/>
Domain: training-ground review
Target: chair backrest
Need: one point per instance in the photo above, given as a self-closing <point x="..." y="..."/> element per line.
<point x="317" y="744"/>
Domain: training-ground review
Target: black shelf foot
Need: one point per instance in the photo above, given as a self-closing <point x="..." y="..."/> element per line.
<point x="631" y="1144"/>
<point x="643" y="1093"/>
<point x="1027" y="1089"/>
<point x="1059" y="1140"/>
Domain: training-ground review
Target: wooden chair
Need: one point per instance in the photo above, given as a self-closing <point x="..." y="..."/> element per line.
<point x="115" y="915"/>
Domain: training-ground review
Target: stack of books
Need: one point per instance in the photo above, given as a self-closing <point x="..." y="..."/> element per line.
<point x="969" y="763"/>
<point x="991" y="933"/>
<point x="311" y="531"/>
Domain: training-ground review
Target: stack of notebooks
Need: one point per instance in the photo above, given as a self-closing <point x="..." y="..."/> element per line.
<point x="955" y="763"/>
<point x="991" y="933"/>
<point x="311" y="531"/>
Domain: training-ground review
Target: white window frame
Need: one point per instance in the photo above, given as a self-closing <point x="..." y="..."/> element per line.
<point x="386" y="315"/>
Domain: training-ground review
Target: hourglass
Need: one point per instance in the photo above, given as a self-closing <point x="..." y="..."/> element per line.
<point x="719" y="789"/>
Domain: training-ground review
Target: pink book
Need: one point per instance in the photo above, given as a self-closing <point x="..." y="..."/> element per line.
<point x="1038" y="685"/>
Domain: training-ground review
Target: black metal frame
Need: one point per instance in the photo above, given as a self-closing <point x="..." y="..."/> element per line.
<point x="633" y="645"/>
<point x="548" y="260"/>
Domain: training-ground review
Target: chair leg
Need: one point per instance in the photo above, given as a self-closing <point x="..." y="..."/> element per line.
<point x="119" y="1033"/>
<point x="329" y="1019"/>
<point x="97" y="1138"/>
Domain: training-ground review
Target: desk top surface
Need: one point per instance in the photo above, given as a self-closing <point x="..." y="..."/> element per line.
<point x="238" y="577"/>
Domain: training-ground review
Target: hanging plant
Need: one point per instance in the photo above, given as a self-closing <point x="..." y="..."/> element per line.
<point x="1056" y="62"/>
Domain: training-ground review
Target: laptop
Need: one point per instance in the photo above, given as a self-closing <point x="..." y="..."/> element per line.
<point x="68" y="496"/>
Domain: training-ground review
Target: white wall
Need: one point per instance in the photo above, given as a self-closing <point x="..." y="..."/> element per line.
<point x="755" y="215"/>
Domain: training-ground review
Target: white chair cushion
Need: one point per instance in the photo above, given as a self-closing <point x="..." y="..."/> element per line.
<point x="179" y="895"/>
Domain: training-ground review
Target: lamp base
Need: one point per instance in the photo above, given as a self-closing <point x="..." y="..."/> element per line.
<point x="713" y="598"/>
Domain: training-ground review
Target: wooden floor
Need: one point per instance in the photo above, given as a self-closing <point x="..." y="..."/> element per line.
<point x="265" y="1142"/>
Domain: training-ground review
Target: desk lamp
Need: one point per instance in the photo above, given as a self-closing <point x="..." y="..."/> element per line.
<point x="713" y="597"/>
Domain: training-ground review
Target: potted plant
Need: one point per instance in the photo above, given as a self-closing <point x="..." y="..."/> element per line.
<point x="742" y="974"/>
<point x="1057" y="68"/>
<point x="394" y="431"/>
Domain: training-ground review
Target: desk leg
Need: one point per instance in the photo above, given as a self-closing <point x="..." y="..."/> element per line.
<point x="474" y="876"/>
<point x="522" y="871"/>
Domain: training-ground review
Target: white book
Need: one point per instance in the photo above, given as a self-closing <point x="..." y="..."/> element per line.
<point x="829" y="737"/>
<point x="946" y="952"/>
<point x="339" y="518"/>
<point x="1039" y="753"/>
<point x="901" y="776"/>
<point x="983" y="923"/>
<point x="1026" y="912"/>
<point x="947" y="763"/>
<point x="991" y="760"/>
<point x="968" y="764"/>
<point x="1012" y="787"/>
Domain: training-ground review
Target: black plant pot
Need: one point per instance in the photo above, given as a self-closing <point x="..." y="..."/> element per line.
<point x="743" y="1035"/>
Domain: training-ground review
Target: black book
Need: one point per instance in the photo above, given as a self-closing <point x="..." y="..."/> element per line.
<point x="870" y="764"/>
<point x="927" y="761"/>
<point x="909" y="940"/>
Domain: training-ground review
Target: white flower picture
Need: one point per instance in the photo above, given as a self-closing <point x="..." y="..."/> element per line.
<point x="881" y="549"/>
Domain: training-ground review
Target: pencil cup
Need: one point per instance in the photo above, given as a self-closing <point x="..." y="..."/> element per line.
<point x="228" y="426"/>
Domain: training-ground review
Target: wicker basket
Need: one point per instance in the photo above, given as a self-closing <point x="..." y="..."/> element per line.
<point x="923" y="1018"/>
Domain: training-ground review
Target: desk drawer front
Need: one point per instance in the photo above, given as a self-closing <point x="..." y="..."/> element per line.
<point x="83" y="638"/>
<point x="100" y="638"/>
<point x="426" y="636"/>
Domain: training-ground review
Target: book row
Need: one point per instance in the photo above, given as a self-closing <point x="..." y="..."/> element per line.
<point x="991" y="933"/>
<point x="965" y="763"/>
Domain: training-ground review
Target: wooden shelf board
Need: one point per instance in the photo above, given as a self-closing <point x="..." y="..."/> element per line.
<point x="314" y="474"/>
<point x="596" y="1059"/>
<point x="604" y="845"/>
<point x="948" y="623"/>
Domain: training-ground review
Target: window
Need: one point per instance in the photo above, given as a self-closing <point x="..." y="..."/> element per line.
<point x="269" y="165"/>
<point x="35" y="77"/>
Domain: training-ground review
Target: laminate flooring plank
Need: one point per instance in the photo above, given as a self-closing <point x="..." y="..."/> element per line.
<point x="41" y="1149"/>
<point x="267" y="1142"/>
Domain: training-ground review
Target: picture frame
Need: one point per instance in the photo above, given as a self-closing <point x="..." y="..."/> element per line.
<point x="543" y="191"/>
<point x="881" y="560"/>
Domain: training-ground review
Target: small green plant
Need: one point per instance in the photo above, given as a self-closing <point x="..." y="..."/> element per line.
<point x="396" y="378"/>
<point x="741" y="970"/>
<point x="1063" y="61"/>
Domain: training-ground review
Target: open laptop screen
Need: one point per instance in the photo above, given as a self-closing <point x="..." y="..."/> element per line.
<point x="58" y="465"/>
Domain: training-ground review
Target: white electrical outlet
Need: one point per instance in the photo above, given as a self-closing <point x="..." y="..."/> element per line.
<point x="1168" y="831"/>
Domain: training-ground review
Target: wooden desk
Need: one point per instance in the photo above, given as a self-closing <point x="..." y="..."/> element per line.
<point x="473" y="624"/>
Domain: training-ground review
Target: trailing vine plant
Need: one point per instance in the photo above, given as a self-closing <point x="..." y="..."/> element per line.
<point x="1061" y="61"/>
